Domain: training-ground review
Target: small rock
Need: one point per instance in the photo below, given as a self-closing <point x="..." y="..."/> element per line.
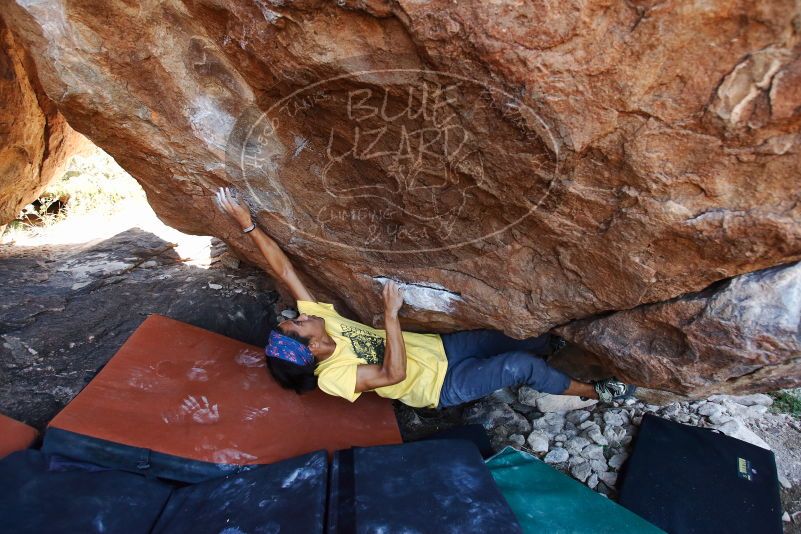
<point x="588" y="424"/>
<point x="592" y="481"/>
<point x="552" y="423"/>
<point x="577" y="416"/>
<point x="609" y="478"/>
<point x="710" y="409"/>
<point x="720" y="419"/>
<point x="671" y="410"/>
<point x="492" y="415"/>
<point x="575" y="460"/>
<point x="796" y="517"/>
<point x="556" y="456"/>
<point x="613" y="419"/>
<point x="784" y="482"/>
<point x="522" y="408"/>
<point x="595" y="435"/>
<point x="745" y="400"/>
<point x="528" y="396"/>
<point x="229" y="261"/>
<point x="562" y="403"/>
<point x="736" y="429"/>
<point x="581" y="471"/>
<point x="614" y="434"/>
<point x="504" y="395"/>
<point x="786" y="517"/>
<point x="576" y="445"/>
<point x="560" y="437"/>
<point x="616" y="461"/>
<point x="214" y="286"/>
<point x="498" y="443"/>
<point x="502" y="431"/>
<point x="593" y="452"/>
<point x="516" y="440"/>
<point x="538" y="441"/>
<point x="755" y="411"/>
<point x="603" y="489"/>
<point x="598" y="466"/>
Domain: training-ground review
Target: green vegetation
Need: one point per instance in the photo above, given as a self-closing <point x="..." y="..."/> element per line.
<point x="787" y="401"/>
<point x="92" y="185"/>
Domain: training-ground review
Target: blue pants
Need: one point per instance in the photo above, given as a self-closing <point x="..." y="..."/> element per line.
<point x="482" y="361"/>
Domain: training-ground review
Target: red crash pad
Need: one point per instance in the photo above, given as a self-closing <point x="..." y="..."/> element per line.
<point x="15" y="436"/>
<point x="181" y="390"/>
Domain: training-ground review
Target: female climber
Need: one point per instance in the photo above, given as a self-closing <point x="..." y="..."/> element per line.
<point x="321" y="348"/>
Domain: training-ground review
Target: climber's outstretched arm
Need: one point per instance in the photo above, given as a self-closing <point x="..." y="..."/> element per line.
<point x="278" y="261"/>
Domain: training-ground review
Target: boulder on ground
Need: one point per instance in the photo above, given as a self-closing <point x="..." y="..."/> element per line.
<point x="562" y="403"/>
<point x="742" y="336"/>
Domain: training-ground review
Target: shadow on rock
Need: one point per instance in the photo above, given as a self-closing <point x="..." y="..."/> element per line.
<point x="67" y="309"/>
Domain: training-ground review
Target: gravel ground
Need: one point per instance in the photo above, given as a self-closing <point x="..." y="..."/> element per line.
<point x="591" y="442"/>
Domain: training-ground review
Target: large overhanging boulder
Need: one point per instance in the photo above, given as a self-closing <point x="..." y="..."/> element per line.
<point x="519" y="165"/>
<point x="35" y="140"/>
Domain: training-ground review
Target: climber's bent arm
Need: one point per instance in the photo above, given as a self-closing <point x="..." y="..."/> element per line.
<point x="280" y="265"/>
<point x="393" y="369"/>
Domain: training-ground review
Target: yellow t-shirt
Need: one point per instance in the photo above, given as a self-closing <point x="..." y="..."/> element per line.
<point x="359" y="344"/>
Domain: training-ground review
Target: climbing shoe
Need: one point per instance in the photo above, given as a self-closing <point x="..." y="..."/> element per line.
<point x="612" y="389"/>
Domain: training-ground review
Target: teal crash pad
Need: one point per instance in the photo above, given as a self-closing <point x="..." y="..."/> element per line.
<point x="545" y="500"/>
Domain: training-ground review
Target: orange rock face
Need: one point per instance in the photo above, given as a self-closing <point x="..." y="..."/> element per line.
<point x="35" y="140"/>
<point x="517" y="165"/>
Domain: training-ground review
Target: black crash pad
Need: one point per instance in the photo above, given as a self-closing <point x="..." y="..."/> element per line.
<point x="685" y="479"/>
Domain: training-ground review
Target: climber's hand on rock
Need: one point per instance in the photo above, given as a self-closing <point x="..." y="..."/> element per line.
<point x="227" y="201"/>
<point x="393" y="298"/>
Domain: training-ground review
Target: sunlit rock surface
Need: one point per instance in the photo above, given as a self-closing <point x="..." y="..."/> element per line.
<point x="519" y="165"/>
<point x="35" y="140"/>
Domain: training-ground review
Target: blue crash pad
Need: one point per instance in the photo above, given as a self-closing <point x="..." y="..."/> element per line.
<point x="287" y="496"/>
<point x="35" y="499"/>
<point x="437" y="486"/>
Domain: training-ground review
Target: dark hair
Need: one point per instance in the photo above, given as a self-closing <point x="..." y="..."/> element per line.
<point x="291" y="375"/>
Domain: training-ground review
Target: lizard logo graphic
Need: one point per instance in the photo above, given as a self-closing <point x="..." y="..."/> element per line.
<point x="367" y="346"/>
<point x="402" y="161"/>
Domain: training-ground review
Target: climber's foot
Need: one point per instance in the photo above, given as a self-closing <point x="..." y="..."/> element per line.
<point x="612" y="389"/>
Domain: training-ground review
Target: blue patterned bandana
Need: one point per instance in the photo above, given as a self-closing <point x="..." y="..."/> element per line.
<point x="288" y="349"/>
